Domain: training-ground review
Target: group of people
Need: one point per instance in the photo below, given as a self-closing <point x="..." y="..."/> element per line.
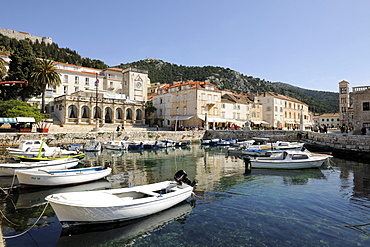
<point x="119" y="128"/>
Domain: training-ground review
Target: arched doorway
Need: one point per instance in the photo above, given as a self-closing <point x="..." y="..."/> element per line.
<point x="118" y="113"/>
<point x="139" y="115"/>
<point x="129" y="114"/>
<point x="97" y="113"/>
<point x="85" y="112"/>
<point x="108" y="115"/>
<point x="72" y="111"/>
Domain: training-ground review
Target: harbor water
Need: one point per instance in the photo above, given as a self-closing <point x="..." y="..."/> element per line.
<point x="314" y="207"/>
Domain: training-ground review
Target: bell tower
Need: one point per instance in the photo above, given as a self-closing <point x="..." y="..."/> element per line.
<point x="135" y="84"/>
<point x="343" y="102"/>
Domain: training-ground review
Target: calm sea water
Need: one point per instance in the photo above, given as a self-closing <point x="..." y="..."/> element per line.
<point x="319" y="207"/>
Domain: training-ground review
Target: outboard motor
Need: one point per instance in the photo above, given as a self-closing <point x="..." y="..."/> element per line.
<point x="182" y="177"/>
<point x="248" y="164"/>
<point x="107" y="164"/>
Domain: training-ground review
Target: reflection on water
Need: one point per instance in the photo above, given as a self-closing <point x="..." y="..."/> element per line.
<point x="265" y="207"/>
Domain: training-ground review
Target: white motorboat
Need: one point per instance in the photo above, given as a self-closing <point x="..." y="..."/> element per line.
<point x="290" y="159"/>
<point x="9" y="169"/>
<point x="92" y="207"/>
<point x="34" y="148"/>
<point x="92" y="146"/>
<point x="117" y="145"/>
<point x="283" y="145"/>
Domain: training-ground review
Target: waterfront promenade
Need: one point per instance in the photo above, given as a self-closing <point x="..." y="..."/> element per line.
<point x="348" y="146"/>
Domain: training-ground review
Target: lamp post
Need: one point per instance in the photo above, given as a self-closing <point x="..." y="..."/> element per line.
<point x="96" y="106"/>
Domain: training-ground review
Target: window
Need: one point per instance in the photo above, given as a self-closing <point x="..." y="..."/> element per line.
<point x="160" y="112"/>
<point x="76" y="89"/>
<point x="203" y="110"/>
<point x="184" y="110"/>
<point x="202" y="96"/>
<point x="160" y="101"/>
<point x="366" y="106"/>
<point x="343" y="90"/>
<point x="129" y="114"/>
<point x="65" y="89"/>
<point x="223" y="106"/>
<point x="87" y="81"/>
<point x="223" y="114"/>
<point x="76" y="79"/>
<point x="66" y="78"/>
<point x="268" y="108"/>
<point x="139" y="114"/>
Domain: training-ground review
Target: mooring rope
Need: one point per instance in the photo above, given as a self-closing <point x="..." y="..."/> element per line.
<point x="278" y="216"/>
<point x="20" y="234"/>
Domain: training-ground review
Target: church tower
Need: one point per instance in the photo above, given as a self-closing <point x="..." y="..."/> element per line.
<point x="344" y="102"/>
<point x="135" y="84"/>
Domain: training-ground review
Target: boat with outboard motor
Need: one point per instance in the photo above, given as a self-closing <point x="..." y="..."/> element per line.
<point x="77" y="208"/>
<point x="291" y="159"/>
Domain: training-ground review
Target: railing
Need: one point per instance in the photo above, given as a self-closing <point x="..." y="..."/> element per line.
<point x="360" y="89"/>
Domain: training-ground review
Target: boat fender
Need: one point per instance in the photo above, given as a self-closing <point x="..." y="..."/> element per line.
<point x="248" y="164"/>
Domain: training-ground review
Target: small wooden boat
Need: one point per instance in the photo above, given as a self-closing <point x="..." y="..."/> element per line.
<point x="290" y="159"/>
<point x="9" y="169"/>
<point x="117" y="145"/>
<point x="36" y="159"/>
<point x="92" y="146"/>
<point x="61" y="177"/>
<point x="92" y="207"/>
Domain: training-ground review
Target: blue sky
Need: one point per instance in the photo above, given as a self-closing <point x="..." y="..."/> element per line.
<point x="311" y="44"/>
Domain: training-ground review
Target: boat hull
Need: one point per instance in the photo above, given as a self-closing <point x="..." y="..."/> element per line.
<point x="10" y="168"/>
<point x="61" y="177"/>
<point x="288" y="165"/>
<point x="82" y="207"/>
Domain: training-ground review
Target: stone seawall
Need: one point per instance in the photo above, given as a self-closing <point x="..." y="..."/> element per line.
<point x="13" y="139"/>
<point x="355" y="147"/>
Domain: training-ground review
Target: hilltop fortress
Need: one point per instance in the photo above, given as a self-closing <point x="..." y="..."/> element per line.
<point x="23" y="35"/>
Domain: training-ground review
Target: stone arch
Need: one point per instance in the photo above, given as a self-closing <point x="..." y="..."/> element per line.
<point x="72" y="111"/>
<point x="97" y="113"/>
<point x="128" y="114"/>
<point x="139" y="114"/>
<point x="85" y="112"/>
<point x="119" y="113"/>
<point x="108" y="115"/>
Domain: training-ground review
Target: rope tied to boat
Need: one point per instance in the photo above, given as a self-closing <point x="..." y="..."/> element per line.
<point x="33" y="225"/>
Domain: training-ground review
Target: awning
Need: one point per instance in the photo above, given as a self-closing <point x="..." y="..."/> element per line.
<point x="25" y="119"/>
<point x="8" y="120"/>
<point x="214" y="119"/>
<point x="183" y="117"/>
<point x="259" y="122"/>
<point x="290" y="122"/>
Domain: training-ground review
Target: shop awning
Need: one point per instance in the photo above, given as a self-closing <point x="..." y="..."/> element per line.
<point x="259" y="122"/>
<point x="8" y="120"/>
<point x="25" y="119"/>
<point x="183" y="117"/>
<point x="214" y="119"/>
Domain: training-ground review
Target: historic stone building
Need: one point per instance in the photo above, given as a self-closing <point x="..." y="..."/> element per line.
<point x="90" y="96"/>
<point x="361" y="109"/>
<point x="283" y="112"/>
<point x="23" y="35"/>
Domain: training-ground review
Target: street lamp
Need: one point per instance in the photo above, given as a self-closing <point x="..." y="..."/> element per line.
<point x="96" y="106"/>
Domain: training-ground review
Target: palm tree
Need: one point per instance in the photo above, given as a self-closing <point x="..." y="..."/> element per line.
<point x="45" y="75"/>
<point x="3" y="69"/>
